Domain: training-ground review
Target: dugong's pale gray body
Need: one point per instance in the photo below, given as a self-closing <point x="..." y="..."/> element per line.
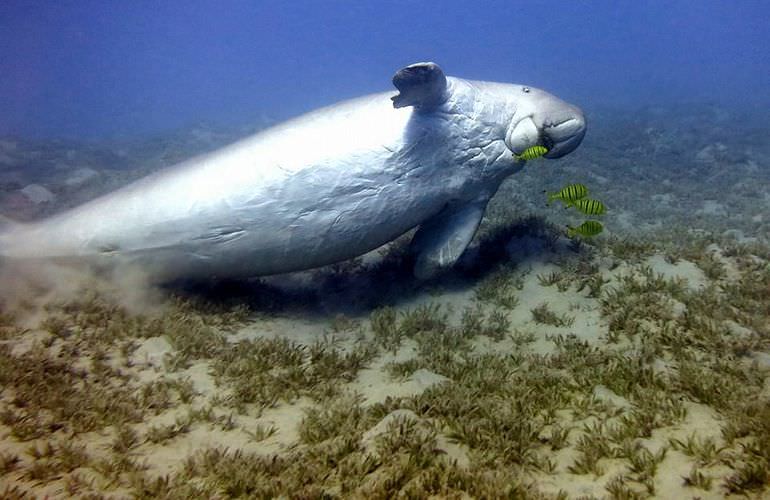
<point x="324" y="187"/>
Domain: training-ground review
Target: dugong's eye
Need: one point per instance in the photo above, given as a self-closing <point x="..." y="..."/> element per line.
<point x="525" y="90"/>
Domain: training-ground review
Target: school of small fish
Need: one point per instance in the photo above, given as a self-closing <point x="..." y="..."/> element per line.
<point x="576" y="196"/>
<point x="573" y="195"/>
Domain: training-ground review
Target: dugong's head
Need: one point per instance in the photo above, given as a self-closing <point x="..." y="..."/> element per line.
<point x="539" y="118"/>
<point x="542" y="119"/>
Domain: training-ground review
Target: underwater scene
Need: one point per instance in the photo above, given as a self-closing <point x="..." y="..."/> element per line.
<point x="306" y="250"/>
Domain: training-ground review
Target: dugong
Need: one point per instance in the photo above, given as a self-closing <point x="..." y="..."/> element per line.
<point x="327" y="186"/>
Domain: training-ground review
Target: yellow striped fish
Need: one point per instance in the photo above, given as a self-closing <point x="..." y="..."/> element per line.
<point x="589" y="207"/>
<point x="531" y="153"/>
<point x="587" y="229"/>
<point x="569" y="194"/>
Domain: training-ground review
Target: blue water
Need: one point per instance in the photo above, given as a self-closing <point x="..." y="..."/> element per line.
<point x="94" y="69"/>
<point x="96" y="94"/>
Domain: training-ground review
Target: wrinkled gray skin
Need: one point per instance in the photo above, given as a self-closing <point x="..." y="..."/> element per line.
<point x="324" y="187"/>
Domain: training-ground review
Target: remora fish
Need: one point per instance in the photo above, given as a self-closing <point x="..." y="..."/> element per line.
<point x="589" y="206"/>
<point x="531" y="153"/>
<point x="321" y="188"/>
<point x="569" y="193"/>
<point x="587" y="229"/>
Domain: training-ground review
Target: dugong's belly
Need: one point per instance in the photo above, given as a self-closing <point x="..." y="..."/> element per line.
<point x="327" y="186"/>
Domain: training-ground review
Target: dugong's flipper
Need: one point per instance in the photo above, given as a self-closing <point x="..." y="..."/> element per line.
<point x="422" y="85"/>
<point x="443" y="238"/>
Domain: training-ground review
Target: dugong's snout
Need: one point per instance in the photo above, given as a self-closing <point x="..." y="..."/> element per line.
<point x="545" y="120"/>
<point x="563" y="136"/>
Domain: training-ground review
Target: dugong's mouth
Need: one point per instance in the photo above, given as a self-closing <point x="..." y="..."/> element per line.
<point x="559" y="137"/>
<point x="563" y="137"/>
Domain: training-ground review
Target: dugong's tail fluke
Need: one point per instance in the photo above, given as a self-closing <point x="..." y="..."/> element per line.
<point x="6" y="222"/>
<point x="7" y="227"/>
<point x="16" y="241"/>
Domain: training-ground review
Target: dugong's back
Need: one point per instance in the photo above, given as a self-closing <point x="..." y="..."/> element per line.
<point x="270" y="199"/>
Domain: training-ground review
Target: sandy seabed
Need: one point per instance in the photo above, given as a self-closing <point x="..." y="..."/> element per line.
<point x="572" y="373"/>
